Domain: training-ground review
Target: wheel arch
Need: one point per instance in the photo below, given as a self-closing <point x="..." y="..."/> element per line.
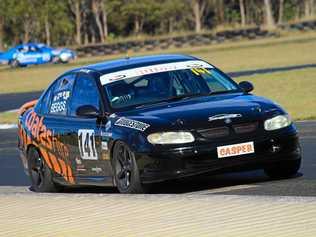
<point x="29" y="147"/>
<point x="32" y="146"/>
<point x="111" y="150"/>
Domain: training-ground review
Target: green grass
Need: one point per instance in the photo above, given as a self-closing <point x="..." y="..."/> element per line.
<point x="293" y="90"/>
<point x="8" y="117"/>
<point x="230" y="56"/>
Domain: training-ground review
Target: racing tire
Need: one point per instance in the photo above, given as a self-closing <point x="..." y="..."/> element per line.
<point x="64" y="62"/>
<point x="14" y="63"/>
<point x="40" y="174"/>
<point x="55" y="60"/>
<point x="283" y="169"/>
<point x="125" y="170"/>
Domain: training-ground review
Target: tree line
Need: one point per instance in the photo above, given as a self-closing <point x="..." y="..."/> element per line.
<point x="68" y="22"/>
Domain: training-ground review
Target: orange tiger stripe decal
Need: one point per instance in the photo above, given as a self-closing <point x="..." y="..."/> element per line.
<point x="46" y="158"/>
<point x="43" y="138"/>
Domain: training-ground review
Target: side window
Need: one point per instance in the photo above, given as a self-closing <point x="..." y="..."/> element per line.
<point x="85" y="92"/>
<point x="61" y="92"/>
<point x="45" y="102"/>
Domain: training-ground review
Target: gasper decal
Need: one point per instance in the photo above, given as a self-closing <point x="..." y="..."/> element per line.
<point x="130" y="123"/>
<point x="86" y="141"/>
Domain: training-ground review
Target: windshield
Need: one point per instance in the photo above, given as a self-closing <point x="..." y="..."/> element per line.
<point x="166" y="86"/>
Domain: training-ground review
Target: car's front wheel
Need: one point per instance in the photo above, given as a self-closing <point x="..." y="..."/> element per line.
<point x="40" y="174"/>
<point x="55" y="59"/>
<point x="125" y="170"/>
<point x="283" y="169"/>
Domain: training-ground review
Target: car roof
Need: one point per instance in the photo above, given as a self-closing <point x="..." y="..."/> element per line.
<point x="30" y="45"/>
<point x="134" y="62"/>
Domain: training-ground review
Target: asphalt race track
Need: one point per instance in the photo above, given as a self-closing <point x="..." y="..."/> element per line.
<point x="243" y="183"/>
<point x="235" y="204"/>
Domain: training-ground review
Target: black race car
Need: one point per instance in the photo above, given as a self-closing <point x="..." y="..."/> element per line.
<point x="135" y="121"/>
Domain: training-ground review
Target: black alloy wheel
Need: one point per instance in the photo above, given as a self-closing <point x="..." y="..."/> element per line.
<point x="40" y="174"/>
<point x="125" y="169"/>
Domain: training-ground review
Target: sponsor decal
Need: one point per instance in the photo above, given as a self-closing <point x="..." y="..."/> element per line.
<point x="104" y="146"/>
<point x="58" y="107"/>
<point x="166" y="67"/>
<point x="79" y="166"/>
<point x="51" y="148"/>
<point x="130" y="123"/>
<point x="117" y="77"/>
<point x="108" y="125"/>
<point x="224" y="116"/>
<point x="59" y="102"/>
<point x="60" y="148"/>
<point x="78" y="161"/>
<point x="84" y="70"/>
<point x="235" y="149"/>
<point x="64" y="95"/>
<point x="106" y="134"/>
<point x="96" y="170"/>
<point x="38" y="130"/>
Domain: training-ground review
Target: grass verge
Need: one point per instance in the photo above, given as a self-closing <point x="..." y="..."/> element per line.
<point x="8" y="117"/>
<point x="295" y="91"/>
<point x="230" y="56"/>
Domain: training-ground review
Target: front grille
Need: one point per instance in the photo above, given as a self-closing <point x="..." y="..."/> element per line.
<point x="214" y="132"/>
<point x="225" y="131"/>
<point x="245" y="128"/>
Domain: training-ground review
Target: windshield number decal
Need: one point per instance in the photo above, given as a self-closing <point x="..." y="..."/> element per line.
<point x="86" y="143"/>
<point x="199" y="71"/>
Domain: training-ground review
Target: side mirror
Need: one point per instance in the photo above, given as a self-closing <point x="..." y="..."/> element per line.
<point x="88" y="111"/>
<point x="246" y="86"/>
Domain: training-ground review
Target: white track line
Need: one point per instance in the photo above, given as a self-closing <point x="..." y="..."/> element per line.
<point x="8" y="126"/>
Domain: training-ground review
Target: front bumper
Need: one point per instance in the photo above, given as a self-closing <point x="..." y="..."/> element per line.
<point x="161" y="165"/>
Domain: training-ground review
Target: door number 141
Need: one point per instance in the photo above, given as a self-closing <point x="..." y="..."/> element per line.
<point x="86" y="141"/>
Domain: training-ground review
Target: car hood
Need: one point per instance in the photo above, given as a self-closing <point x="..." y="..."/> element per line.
<point x="204" y="112"/>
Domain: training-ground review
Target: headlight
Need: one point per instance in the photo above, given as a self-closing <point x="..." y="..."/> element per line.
<point x="277" y="122"/>
<point x="65" y="56"/>
<point x="170" y="138"/>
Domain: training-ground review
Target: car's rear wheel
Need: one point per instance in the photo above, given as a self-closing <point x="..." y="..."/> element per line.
<point x="14" y="63"/>
<point x="40" y="174"/>
<point x="126" y="174"/>
<point x="283" y="169"/>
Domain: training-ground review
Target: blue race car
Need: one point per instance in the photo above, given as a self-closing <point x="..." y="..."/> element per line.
<point x="31" y="53"/>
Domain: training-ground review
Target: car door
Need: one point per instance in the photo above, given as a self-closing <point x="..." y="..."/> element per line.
<point x="38" y="55"/>
<point x="85" y="134"/>
<point x="53" y="112"/>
